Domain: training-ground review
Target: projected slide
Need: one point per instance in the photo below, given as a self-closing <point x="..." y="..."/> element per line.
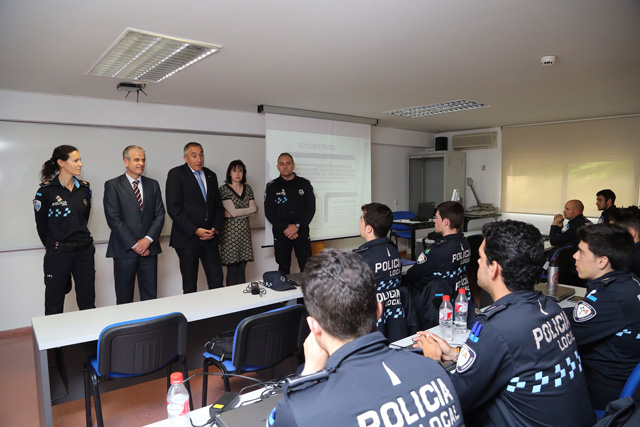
<point x="336" y="158"/>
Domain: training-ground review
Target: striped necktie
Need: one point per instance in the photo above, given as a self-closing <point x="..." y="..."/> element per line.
<point x="136" y="191"/>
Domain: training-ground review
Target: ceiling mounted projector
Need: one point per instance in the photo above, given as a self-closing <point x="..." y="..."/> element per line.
<point x="128" y="87"/>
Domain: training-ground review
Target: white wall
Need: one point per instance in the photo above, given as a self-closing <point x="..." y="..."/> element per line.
<point x="22" y="278"/>
<point x="485" y="167"/>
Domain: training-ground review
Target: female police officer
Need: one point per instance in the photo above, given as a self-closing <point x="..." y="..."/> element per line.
<point x="62" y="206"/>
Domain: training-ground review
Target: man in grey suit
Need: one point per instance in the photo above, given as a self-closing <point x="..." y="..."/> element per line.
<point x="135" y="213"/>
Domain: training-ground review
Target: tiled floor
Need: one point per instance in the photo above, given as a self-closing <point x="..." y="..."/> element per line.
<point x="131" y="406"/>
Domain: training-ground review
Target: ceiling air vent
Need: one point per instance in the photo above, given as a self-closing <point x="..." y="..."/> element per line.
<point x="475" y="141"/>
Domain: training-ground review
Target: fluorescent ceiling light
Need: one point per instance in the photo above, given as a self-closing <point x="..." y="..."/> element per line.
<point x="430" y="110"/>
<point x="147" y="57"/>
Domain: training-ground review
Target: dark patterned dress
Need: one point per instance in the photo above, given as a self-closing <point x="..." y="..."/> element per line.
<point x="235" y="242"/>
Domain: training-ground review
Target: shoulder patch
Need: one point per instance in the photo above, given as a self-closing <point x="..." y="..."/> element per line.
<point x="583" y="311"/>
<point x="37" y="204"/>
<point x="422" y="258"/>
<point x="465" y="359"/>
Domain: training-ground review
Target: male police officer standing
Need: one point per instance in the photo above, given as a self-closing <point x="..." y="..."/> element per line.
<point x="384" y="260"/>
<point x="520" y="364"/>
<point x="289" y="205"/>
<point x="351" y="375"/>
<point x="606" y="323"/>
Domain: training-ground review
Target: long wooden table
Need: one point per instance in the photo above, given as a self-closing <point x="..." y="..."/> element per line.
<point x="78" y="327"/>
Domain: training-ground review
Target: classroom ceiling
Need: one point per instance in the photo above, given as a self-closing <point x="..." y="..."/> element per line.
<point x="355" y="57"/>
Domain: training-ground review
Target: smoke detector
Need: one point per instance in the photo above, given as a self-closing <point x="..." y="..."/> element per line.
<point x="548" y="60"/>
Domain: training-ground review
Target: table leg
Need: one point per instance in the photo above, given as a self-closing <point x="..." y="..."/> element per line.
<point x="42" y="384"/>
<point x="413" y="243"/>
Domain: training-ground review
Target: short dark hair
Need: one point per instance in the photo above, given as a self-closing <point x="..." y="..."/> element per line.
<point x="607" y="194"/>
<point x="286" y="154"/>
<point x="518" y="248"/>
<point x="453" y="211"/>
<point x="236" y="164"/>
<point x="628" y="217"/>
<point x="185" y="150"/>
<point x="610" y="240"/>
<point x="339" y="292"/>
<point x="379" y="217"/>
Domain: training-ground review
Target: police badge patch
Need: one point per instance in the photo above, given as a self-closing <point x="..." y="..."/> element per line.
<point x="37" y="204"/>
<point x="301" y="192"/>
<point x="583" y="312"/>
<point x="422" y="258"/>
<point x="84" y="201"/>
<point x="465" y="359"/>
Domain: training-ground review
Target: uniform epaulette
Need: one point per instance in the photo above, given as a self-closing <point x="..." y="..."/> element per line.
<point x="492" y="310"/>
<point x="44" y="184"/>
<point x="270" y="182"/>
<point x="85" y="183"/>
<point x="607" y="280"/>
<point x="302" y="177"/>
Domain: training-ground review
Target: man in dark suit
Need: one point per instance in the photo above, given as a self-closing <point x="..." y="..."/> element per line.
<point x="135" y="213"/>
<point x="194" y="205"/>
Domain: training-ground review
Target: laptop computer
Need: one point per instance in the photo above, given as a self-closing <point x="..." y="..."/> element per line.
<point x="296" y="278"/>
<point x="252" y="415"/>
<point x="561" y="292"/>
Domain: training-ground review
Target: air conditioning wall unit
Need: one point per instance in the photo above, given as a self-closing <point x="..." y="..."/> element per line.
<point x="475" y="141"/>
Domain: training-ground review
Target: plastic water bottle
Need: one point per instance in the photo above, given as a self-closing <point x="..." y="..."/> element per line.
<point x="446" y="318"/>
<point x="178" y="402"/>
<point x="462" y="307"/>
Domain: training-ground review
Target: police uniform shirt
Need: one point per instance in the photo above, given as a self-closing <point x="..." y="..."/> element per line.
<point x="446" y="258"/>
<point x="62" y="215"/>
<point x="384" y="260"/>
<point x="567" y="235"/>
<point x="606" y="214"/>
<point x="520" y="366"/>
<point x="369" y="384"/>
<point x="606" y="324"/>
<point x="289" y="202"/>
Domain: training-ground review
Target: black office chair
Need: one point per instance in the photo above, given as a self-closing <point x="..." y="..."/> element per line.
<point x="260" y="342"/>
<point x="135" y="348"/>
<point x="567" y="273"/>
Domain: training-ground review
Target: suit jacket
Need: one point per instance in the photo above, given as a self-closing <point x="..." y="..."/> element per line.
<point x="127" y="222"/>
<point x="188" y="209"/>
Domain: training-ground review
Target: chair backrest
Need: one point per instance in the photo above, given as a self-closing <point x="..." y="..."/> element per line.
<point x="141" y="346"/>
<point x="567" y="273"/>
<point x="402" y="215"/>
<point x="632" y="383"/>
<point x="266" y="339"/>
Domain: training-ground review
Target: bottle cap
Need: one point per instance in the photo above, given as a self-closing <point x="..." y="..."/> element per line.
<point x="176" y="378"/>
<point x="446" y="298"/>
<point x="461" y="291"/>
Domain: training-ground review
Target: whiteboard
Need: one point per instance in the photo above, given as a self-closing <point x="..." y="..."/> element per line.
<point x="24" y="147"/>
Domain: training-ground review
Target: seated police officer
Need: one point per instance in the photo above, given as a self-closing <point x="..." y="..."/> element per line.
<point x="629" y="218"/>
<point x="384" y="260"/>
<point x="606" y="323"/>
<point x="352" y="376"/>
<point x="520" y="364"/>
<point x="440" y="270"/>
<point x="561" y="234"/>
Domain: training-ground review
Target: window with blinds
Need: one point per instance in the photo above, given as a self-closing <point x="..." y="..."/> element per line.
<point x="543" y="166"/>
